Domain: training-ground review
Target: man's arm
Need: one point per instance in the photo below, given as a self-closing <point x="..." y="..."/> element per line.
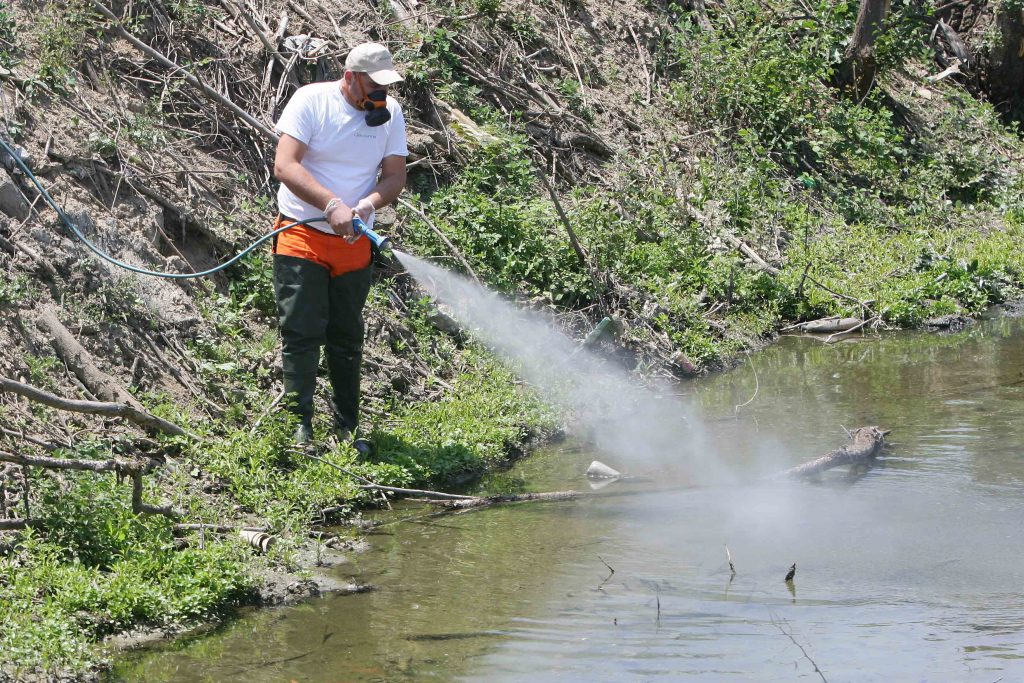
<point x="289" y="170"/>
<point x="390" y="184"/>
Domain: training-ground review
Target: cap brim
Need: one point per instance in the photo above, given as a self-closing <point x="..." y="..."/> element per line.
<point x="385" y="77"/>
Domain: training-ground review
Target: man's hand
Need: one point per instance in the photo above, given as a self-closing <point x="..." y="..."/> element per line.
<point x="365" y="209"/>
<point x="339" y="217"/>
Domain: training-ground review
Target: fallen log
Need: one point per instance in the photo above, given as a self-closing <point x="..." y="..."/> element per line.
<point x="80" y="361"/>
<point x="17" y="524"/>
<point x="865" y="442"/>
<point x="830" y="325"/>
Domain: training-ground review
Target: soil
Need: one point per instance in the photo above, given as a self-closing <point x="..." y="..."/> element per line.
<point x="185" y="186"/>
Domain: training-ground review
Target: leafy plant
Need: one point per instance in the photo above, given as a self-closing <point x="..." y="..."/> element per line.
<point x="8" y="39"/>
<point x="62" y="40"/>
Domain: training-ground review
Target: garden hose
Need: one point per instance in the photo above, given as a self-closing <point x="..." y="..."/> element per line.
<point x="360" y="229"/>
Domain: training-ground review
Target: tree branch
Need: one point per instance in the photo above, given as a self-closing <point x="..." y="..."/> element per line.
<point x="207" y="91"/>
<point x="106" y="409"/>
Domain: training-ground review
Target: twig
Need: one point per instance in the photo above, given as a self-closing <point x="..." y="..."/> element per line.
<point x="863" y="304"/>
<point x="778" y="625"/>
<point x="610" y="575"/>
<point x="255" y="28"/>
<point x="803" y="278"/>
<point x="757" y="386"/>
<point x="852" y="329"/>
<point x="750" y="253"/>
<point x="643" y="63"/>
<point x="368" y="484"/>
<point x="572" y="58"/>
<point x="574" y="240"/>
<point x="32" y="440"/>
<point x="273" y="404"/>
<point x="139" y="506"/>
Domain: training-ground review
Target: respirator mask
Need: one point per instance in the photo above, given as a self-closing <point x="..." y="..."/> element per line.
<point x="375" y="104"/>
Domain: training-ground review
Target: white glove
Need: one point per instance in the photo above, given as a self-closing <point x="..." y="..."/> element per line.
<point x="365" y="209"/>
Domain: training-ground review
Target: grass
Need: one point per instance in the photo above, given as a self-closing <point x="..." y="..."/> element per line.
<point x="853" y="201"/>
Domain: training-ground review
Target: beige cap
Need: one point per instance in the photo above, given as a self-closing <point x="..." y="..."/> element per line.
<point x="374" y="60"/>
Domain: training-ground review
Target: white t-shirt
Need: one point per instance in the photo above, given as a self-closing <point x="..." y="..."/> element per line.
<point x="344" y="153"/>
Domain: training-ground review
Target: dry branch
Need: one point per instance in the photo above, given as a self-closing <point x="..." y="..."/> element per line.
<point x="444" y="238"/>
<point x="106" y="409"/>
<point x="863" y="447"/>
<point x="130" y="468"/>
<point x="749" y="252"/>
<point x="207" y="91"/>
<point x="574" y="240"/>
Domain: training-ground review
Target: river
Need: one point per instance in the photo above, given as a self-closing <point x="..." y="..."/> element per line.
<point x="910" y="571"/>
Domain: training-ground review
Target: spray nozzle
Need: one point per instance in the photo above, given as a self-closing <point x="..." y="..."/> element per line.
<point x="361" y="228"/>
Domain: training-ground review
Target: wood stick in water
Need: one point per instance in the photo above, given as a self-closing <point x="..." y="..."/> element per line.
<point x="484" y="501"/>
<point x="863" y="447"/>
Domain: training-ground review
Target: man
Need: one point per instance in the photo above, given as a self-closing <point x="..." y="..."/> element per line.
<point x="341" y="154"/>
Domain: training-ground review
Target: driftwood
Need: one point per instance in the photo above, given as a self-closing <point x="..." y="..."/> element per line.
<point x="829" y="325"/>
<point x="863" y="447"/>
<point x="128" y="412"/>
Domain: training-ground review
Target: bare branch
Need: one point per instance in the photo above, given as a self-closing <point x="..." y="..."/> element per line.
<point x="207" y="91"/>
<point x="106" y="409"/>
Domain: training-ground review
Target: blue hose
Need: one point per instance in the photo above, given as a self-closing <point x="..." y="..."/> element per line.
<point x="360" y="229"/>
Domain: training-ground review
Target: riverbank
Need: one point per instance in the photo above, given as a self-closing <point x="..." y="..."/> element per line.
<point x="919" y="582"/>
<point x="738" y="190"/>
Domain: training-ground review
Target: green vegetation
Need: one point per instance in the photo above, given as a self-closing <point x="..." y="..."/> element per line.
<point x="62" y="41"/>
<point x="882" y="207"/>
<point x="474" y="428"/>
<point x="910" y="210"/>
<point x="100" y="568"/>
<point x="8" y="39"/>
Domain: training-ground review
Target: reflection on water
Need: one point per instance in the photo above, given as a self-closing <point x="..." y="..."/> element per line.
<point x="910" y="572"/>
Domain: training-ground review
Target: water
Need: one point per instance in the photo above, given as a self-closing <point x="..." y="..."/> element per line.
<point x="910" y="572"/>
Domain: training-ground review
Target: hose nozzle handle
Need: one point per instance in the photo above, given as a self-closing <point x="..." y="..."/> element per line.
<point x="361" y="228"/>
